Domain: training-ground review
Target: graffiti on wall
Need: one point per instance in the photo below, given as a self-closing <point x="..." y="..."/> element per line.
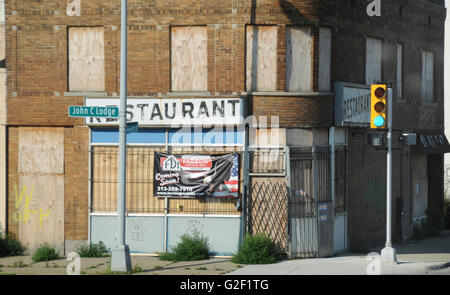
<point x="375" y="195"/>
<point x="23" y="212"/>
<point x="137" y="229"/>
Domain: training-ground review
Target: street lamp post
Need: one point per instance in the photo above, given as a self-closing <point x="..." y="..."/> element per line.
<point x="388" y="254"/>
<point x="120" y="259"/>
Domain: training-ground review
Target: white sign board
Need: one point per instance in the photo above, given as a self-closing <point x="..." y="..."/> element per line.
<point x="173" y="111"/>
<point x="352" y="104"/>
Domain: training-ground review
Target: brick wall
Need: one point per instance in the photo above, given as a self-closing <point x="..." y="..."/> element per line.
<point x="37" y="64"/>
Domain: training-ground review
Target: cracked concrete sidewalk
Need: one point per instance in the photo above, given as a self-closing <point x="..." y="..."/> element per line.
<point x="428" y="256"/>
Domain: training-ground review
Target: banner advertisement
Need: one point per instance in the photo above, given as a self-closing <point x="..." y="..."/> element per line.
<point x="196" y="176"/>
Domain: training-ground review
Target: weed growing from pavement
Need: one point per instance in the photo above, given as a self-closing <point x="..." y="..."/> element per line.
<point x="45" y="253"/>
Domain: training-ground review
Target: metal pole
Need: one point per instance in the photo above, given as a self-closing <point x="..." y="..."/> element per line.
<point x="120" y="260"/>
<point x="388" y="253"/>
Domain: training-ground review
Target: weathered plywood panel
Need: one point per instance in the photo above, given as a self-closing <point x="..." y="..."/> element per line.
<point x="2" y="40"/>
<point x="41" y="150"/>
<point x="189" y="59"/>
<point x="39" y="210"/>
<point x="373" y="60"/>
<point x="325" y="59"/>
<point x="261" y="58"/>
<point x="399" y="71"/>
<point x="39" y="194"/>
<point x="299" y="48"/>
<point x="86" y="59"/>
<point x="3" y="92"/>
<point x="427" y="76"/>
<point x="3" y="177"/>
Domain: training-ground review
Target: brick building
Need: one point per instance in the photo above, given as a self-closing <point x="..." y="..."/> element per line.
<point x="290" y="60"/>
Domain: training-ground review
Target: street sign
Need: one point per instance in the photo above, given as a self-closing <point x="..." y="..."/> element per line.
<point x="132" y="127"/>
<point x="93" y="111"/>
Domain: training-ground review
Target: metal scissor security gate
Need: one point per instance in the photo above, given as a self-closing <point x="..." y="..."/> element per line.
<point x="267" y="211"/>
<point x="310" y="205"/>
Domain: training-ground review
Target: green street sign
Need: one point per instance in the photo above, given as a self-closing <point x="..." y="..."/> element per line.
<point x="88" y="111"/>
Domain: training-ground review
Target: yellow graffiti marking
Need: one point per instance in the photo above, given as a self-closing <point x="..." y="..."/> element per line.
<point x="43" y="216"/>
<point x="25" y="213"/>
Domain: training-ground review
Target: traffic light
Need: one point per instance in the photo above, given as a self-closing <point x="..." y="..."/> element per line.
<point x="378" y="106"/>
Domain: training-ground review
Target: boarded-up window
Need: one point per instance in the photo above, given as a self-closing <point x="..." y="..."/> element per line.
<point x="261" y="58"/>
<point x="298" y="59"/>
<point x="373" y="60"/>
<point x="189" y="59"/>
<point x="427" y="76"/>
<point x="39" y="193"/>
<point x="399" y="71"/>
<point x="325" y="59"/>
<point x="86" y="59"/>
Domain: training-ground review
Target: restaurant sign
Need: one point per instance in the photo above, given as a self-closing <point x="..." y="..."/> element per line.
<point x="172" y="111"/>
<point x="352" y="104"/>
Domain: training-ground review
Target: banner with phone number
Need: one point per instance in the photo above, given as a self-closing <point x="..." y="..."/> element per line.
<point x="196" y="176"/>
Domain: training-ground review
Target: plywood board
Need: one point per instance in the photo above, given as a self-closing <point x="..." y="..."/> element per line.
<point x="325" y="59"/>
<point x="299" y="59"/>
<point x="427" y="76"/>
<point x="373" y="60"/>
<point x="261" y="58"/>
<point x="2" y="40"/>
<point x="86" y="59"/>
<point x="189" y="59"/>
<point x="399" y="71"/>
<point x="39" y="210"/>
<point x="3" y="177"/>
<point x="3" y="96"/>
<point x="41" y="150"/>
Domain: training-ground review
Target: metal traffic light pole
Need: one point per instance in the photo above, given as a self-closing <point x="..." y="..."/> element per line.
<point x="120" y="259"/>
<point x="389" y="254"/>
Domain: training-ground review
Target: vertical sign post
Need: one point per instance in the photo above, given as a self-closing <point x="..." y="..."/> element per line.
<point x="120" y="260"/>
<point x="388" y="254"/>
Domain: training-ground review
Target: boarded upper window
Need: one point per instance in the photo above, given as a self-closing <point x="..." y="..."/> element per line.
<point x="373" y="60"/>
<point x="299" y="59"/>
<point x="427" y="76"/>
<point x="399" y="71"/>
<point x="325" y="59"/>
<point x="261" y="58"/>
<point x="189" y="59"/>
<point x="86" y="59"/>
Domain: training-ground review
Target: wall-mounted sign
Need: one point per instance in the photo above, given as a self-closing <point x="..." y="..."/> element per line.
<point x="196" y="176"/>
<point x="352" y="104"/>
<point x="173" y="111"/>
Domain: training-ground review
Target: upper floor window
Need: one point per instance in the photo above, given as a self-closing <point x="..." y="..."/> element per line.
<point x="261" y="58"/>
<point x="373" y="60"/>
<point x="299" y="48"/>
<point x="325" y="36"/>
<point x="427" y="76"/>
<point x="189" y="58"/>
<point x="399" y="71"/>
<point x="86" y="59"/>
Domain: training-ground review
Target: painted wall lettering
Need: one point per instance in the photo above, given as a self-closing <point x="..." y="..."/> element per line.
<point x="23" y="211"/>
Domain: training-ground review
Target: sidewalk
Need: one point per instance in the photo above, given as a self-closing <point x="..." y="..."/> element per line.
<point x="429" y="256"/>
